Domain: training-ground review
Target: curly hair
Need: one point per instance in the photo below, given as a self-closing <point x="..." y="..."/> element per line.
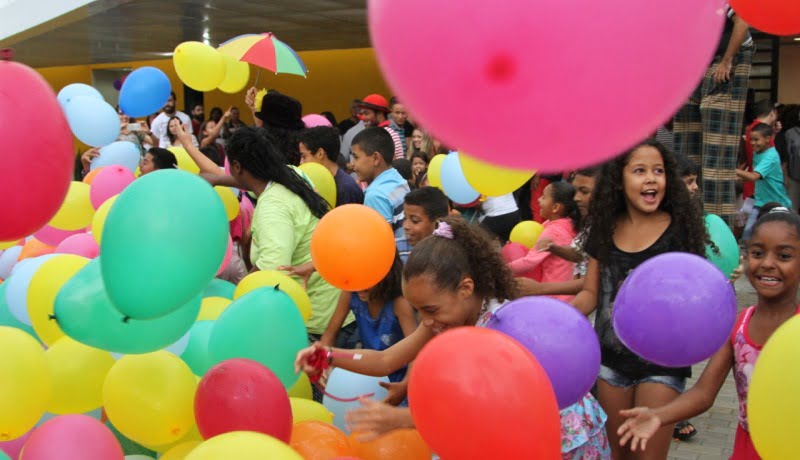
<point x="470" y="253"/>
<point x="563" y="193"/>
<point x="390" y="287"/>
<point x="609" y="203"/>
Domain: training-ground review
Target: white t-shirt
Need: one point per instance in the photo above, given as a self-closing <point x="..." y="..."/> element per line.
<point x="499" y="205"/>
<point x="161" y="122"/>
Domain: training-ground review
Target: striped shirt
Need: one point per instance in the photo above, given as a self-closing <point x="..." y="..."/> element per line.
<point x="398" y="144"/>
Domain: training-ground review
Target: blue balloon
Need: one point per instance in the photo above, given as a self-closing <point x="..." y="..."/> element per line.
<point x="93" y="121"/>
<point x="144" y="92"/>
<point x="346" y="385"/>
<point x="122" y="153"/>
<point x="76" y="89"/>
<point x="8" y="259"/>
<point x="7" y="319"/>
<point x="18" y="283"/>
<point x="454" y="183"/>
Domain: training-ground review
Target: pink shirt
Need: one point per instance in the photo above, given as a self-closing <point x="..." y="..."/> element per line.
<point x="243" y="220"/>
<point x="545" y="267"/>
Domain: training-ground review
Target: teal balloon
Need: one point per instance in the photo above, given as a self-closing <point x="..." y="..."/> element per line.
<point x="196" y="354"/>
<point x="84" y="312"/>
<point x="163" y="241"/>
<point x="263" y="325"/>
<point x="727" y="260"/>
<point x="7" y="319"/>
<point x="220" y="288"/>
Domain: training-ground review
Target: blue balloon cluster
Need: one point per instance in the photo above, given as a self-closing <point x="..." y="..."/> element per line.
<point x="454" y="182"/>
<point x="144" y="92"/>
<point x="121" y="153"/>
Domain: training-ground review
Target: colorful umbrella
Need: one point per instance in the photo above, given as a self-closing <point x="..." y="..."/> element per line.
<point x="264" y="50"/>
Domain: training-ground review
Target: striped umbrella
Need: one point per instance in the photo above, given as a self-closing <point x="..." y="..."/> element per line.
<point x="265" y="51"/>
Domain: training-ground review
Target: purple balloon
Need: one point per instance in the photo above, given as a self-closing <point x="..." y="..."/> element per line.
<point x="117" y="84"/>
<point x="561" y="339"/>
<point x="675" y="310"/>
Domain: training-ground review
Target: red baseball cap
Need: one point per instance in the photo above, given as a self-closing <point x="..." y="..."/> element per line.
<point x="374" y="102"/>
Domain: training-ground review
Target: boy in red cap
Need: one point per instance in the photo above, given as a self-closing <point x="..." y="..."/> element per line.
<point x="373" y="111"/>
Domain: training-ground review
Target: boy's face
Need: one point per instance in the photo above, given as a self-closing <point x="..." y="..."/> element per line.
<point x="759" y="142"/>
<point x="369" y="117"/>
<point x="399" y="114"/>
<point x="416" y="224"/>
<point x="365" y="165"/>
<point x="691" y="184"/>
<point x="307" y="156"/>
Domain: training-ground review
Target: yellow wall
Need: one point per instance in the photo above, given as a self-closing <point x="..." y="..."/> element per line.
<point x="789" y="75"/>
<point x="335" y="77"/>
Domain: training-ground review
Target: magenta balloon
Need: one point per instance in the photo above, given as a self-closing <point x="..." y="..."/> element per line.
<point x="512" y="70"/>
<point x="513" y="251"/>
<point x="675" y="310"/>
<point x="80" y="245"/>
<point x="14" y="447"/>
<point x="37" y="157"/>
<point x="110" y="181"/>
<point x="226" y="261"/>
<point x="313" y="120"/>
<point x="561" y="339"/>
<point x="52" y="236"/>
<point x="73" y="437"/>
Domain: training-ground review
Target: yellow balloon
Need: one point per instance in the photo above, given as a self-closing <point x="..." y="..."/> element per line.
<point x="26" y="385"/>
<point x="237" y="74"/>
<point x="76" y="211"/>
<point x="212" y="307"/>
<point x="301" y="388"/>
<point x="99" y="219"/>
<point x="185" y="162"/>
<point x="304" y="410"/>
<point x="526" y="233"/>
<point x="772" y="402"/>
<point x="229" y="200"/>
<point x="435" y="171"/>
<point x="198" y="65"/>
<point x="180" y="451"/>
<point x="271" y="278"/>
<point x="44" y="287"/>
<point x="193" y="436"/>
<point x="9" y="244"/>
<point x="149" y="398"/>
<point x="323" y="181"/>
<point x="492" y="180"/>
<point x="243" y="445"/>
<point x="78" y="374"/>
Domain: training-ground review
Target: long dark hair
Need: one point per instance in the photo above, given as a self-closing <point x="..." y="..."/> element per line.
<point x="256" y="153"/>
<point x="609" y="203"/>
<point x="563" y="193"/>
<point x="171" y="136"/>
<point x="390" y="287"/>
<point x="285" y="141"/>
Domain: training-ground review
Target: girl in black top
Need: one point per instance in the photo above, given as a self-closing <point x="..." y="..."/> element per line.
<point x="640" y="209"/>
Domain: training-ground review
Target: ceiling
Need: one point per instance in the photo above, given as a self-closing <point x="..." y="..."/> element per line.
<point x="108" y="31"/>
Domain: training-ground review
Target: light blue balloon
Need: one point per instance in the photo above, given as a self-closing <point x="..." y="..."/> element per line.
<point x="144" y="92"/>
<point x="18" y="283"/>
<point x="179" y="346"/>
<point x="345" y="385"/>
<point x="76" y="89"/>
<point x="93" y="121"/>
<point x="8" y="259"/>
<point x="7" y="319"/>
<point x="454" y="183"/>
<point x="122" y="153"/>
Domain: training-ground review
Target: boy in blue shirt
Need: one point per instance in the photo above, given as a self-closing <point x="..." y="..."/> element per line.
<point x="321" y="145"/>
<point x="767" y="174"/>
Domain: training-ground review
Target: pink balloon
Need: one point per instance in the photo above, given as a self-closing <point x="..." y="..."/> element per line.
<point x="313" y="120"/>
<point x="226" y="261"/>
<point x="585" y="79"/>
<point x="513" y="251"/>
<point x="227" y="166"/>
<point x="109" y="182"/>
<point x="52" y="236"/>
<point x="73" y="437"/>
<point x="81" y="245"/>
<point x="14" y="447"/>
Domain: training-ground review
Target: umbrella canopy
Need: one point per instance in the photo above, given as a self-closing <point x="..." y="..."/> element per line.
<point x="266" y="51"/>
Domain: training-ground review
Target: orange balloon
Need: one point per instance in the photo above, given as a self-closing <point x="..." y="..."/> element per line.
<point x="35" y="248"/>
<point x="353" y="247"/>
<point x="87" y="179"/>
<point x="403" y="444"/>
<point x="319" y="441"/>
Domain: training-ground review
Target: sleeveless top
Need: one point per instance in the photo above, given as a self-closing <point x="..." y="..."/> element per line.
<point x="378" y="333"/>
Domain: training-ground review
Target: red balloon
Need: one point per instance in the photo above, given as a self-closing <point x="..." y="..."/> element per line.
<point x="37" y="157"/>
<point x="242" y="395"/>
<point x="513" y="251"/>
<point x="779" y="17"/>
<point x="477" y="393"/>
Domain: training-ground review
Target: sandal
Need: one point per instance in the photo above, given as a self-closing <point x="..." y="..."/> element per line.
<point x="678" y="436"/>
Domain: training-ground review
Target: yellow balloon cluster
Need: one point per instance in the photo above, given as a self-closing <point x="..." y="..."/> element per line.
<point x="301" y="388"/>
<point x="492" y="180"/>
<point x="26" y="385"/>
<point x="185" y="162"/>
<point x="322" y="180"/>
<point x="287" y="284"/>
<point x="99" y="219"/>
<point x="199" y="66"/>
<point x="435" y="171"/>
<point x="78" y="374"/>
<point x="181" y="451"/>
<point x="44" y="287"/>
<point x="76" y="211"/>
<point x="306" y="409"/>
<point x="243" y="445"/>
<point x="229" y="200"/>
<point x="212" y="307"/>
<point x="526" y="233"/>
<point x="237" y="74"/>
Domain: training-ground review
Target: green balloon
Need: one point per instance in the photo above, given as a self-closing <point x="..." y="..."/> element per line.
<point x="163" y="241"/>
<point x="727" y="259"/>
<point x="196" y="354"/>
<point x="265" y="326"/>
<point x="84" y="312"/>
<point x="3" y="456"/>
<point x="7" y="319"/>
<point x="220" y="288"/>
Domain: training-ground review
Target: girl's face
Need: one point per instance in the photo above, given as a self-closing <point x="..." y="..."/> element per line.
<point x="146" y="165"/>
<point x="363" y="295"/>
<point x="584" y="186"/>
<point x="417" y="165"/>
<point x="773" y="261"/>
<point x="173" y="126"/>
<point x="644" y="180"/>
<point x="210" y="125"/>
<point x="440" y="309"/>
<point x="416" y="139"/>
<point x="547" y="206"/>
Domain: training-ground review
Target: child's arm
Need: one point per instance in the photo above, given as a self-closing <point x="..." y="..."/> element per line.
<point x="337" y="319"/>
<point x="203" y="162"/>
<point x="748" y="175"/>
<point x="405" y="316"/>
<point x="642" y="422"/>
<point x="586" y="300"/>
<point x="567" y="253"/>
<point x="527" y="287"/>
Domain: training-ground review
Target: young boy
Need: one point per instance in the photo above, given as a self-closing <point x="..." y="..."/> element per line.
<point x="373" y="151"/>
<point x="422" y="208"/>
<point x="767" y="174"/>
<point x="689" y="171"/>
<point x="321" y="145"/>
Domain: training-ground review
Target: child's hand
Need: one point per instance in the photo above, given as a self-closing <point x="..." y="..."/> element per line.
<point x="376" y="418"/>
<point x="303" y="271"/>
<point x="528" y="287"/>
<point x="396" y="392"/>
<point x="303" y="360"/>
<point x="641" y="424"/>
<point x="738" y="272"/>
<point x="250" y="98"/>
<point x="184" y="137"/>
<point x="544" y="244"/>
<point x="88" y="156"/>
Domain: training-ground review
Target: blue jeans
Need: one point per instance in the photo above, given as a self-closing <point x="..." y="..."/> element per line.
<point x="751" y="222"/>
<point x="617" y="379"/>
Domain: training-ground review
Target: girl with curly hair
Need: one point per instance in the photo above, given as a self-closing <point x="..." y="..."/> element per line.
<point x="640" y="208"/>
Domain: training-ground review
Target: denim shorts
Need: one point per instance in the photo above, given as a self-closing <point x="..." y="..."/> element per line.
<point x="616" y="379"/>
